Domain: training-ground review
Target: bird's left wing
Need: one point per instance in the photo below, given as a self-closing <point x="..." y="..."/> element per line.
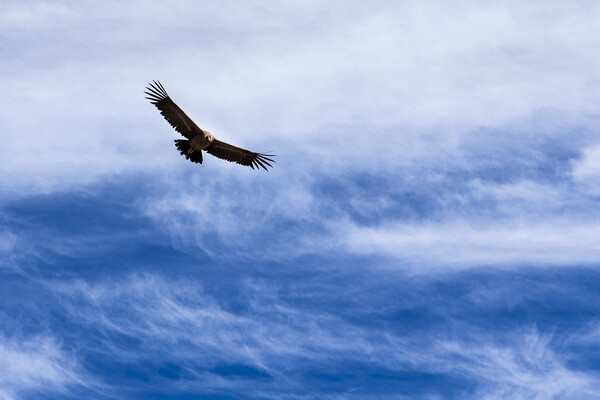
<point x="172" y="113"/>
<point x="238" y="155"/>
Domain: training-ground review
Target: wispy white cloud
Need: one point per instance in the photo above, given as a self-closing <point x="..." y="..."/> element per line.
<point x="36" y="365"/>
<point x="524" y="368"/>
<point x="176" y="321"/>
<point x="249" y="208"/>
<point x="463" y="244"/>
<point x="169" y="313"/>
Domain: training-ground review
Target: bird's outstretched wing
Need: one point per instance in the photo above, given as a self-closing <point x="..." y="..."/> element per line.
<point x="238" y="155"/>
<point x="172" y="113"/>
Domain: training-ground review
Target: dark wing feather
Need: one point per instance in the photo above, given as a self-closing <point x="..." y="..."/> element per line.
<point x="238" y="155"/>
<point x="172" y="113"/>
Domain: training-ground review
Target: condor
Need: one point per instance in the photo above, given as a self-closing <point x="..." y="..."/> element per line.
<point x="198" y="139"/>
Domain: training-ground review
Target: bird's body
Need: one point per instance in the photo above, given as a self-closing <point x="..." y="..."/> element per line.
<point x="199" y="140"/>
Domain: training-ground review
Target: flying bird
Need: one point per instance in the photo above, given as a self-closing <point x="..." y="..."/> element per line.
<point x="198" y="139"/>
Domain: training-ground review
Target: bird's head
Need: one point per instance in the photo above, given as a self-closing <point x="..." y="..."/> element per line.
<point x="208" y="137"/>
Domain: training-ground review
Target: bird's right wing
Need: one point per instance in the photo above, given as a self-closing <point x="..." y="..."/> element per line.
<point x="172" y="113"/>
<point x="238" y="155"/>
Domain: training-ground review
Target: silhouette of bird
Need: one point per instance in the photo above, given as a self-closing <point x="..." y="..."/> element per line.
<point x="198" y="139"/>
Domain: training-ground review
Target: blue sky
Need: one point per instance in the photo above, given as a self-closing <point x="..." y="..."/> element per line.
<point x="431" y="228"/>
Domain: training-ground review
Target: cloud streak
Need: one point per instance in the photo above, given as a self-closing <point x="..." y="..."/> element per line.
<point x="463" y="245"/>
<point x="273" y="344"/>
<point x="36" y="365"/>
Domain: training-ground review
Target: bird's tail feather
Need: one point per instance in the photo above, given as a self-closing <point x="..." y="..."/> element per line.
<point x="184" y="148"/>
